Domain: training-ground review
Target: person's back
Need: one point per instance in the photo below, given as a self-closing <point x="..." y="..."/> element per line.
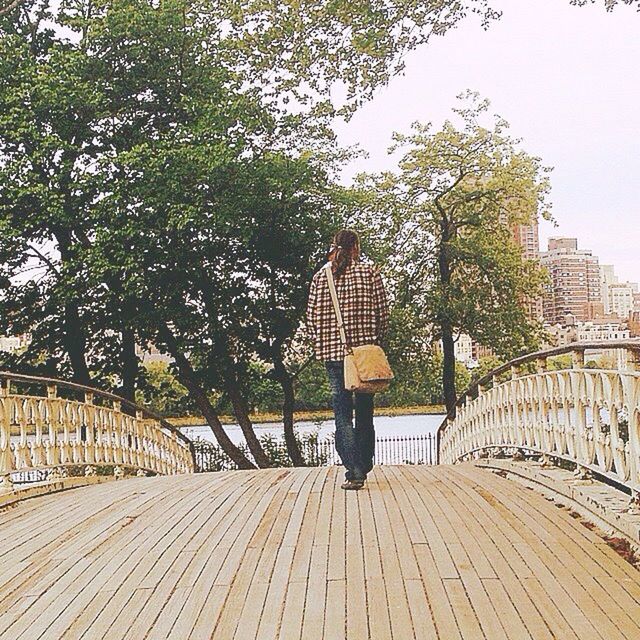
<point x="363" y="305"/>
<point x="364" y="311"/>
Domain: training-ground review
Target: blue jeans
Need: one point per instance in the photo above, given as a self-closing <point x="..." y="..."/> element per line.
<point x="355" y="444"/>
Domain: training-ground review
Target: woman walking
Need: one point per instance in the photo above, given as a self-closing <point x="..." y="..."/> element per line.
<point x="363" y="305"/>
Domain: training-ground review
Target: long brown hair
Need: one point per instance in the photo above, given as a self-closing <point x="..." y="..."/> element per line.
<point x="344" y="251"/>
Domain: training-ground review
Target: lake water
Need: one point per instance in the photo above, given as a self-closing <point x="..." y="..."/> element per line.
<point x="385" y="426"/>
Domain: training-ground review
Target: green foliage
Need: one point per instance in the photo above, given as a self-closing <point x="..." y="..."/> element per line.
<point x="486" y="364"/>
<point x="359" y="45"/>
<point x="211" y="457"/>
<point x="154" y="185"/>
<point x="444" y="223"/>
<point x="162" y="393"/>
<point x="610" y="5"/>
<point x="560" y="362"/>
<point x="312" y="388"/>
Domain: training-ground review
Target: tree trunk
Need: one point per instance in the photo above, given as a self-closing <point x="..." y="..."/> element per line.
<point x="446" y="327"/>
<point x="129" y="365"/>
<point x="187" y="377"/>
<point x="241" y="411"/>
<point x="230" y="384"/>
<point x="286" y="382"/>
<point x="448" y="368"/>
<point x="74" y="338"/>
<point x="75" y="343"/>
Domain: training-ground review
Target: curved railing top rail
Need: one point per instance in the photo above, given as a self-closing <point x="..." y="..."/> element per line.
<point x="74" y="386"/>
<point x="629" y="345"/>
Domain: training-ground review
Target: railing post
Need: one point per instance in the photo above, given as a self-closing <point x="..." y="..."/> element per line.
<point x="51" y="448"/>
<point x="577" y="359"/>
<point x="139" y="440"/>
<point x="541" y="365"/>
<point x="580" y="442"/>
<point x="632" y="359"/>
<point x="6" y="464"/>
<point x="89" y="414"/>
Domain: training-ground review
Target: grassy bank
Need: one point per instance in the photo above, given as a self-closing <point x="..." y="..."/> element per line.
<point x="310" y="416"/>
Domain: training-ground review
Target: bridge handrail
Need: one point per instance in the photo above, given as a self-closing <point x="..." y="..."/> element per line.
<point x="609" y="345"/>
<point x="74" y="386"/>
<point x="526" y="408"/>
<point x="153" y="443"/>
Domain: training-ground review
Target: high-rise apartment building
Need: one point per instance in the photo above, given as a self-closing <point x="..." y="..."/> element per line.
<point x="620" y="299"/>
<point x="574" y="287"/>
<point x="527" y="237"/>
<point x="607" y="278"/>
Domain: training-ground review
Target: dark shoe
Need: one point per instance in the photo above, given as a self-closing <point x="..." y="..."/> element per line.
<point x="354" y="485"/>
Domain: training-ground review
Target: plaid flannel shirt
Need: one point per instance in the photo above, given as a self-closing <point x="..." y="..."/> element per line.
<point x="364" y="308"/>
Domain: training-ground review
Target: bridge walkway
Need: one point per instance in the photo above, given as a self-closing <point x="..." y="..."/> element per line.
<point x="423" y="552"/>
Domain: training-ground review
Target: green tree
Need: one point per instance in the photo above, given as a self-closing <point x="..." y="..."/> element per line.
<point x="161" y="391"/>
<point x="610" y="5"/>
<point x="446" y="232"/>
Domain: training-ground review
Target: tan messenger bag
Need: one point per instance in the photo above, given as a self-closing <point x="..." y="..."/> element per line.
<point x="366" y="368"/>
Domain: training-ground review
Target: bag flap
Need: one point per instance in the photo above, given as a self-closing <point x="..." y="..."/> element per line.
<point x="371" y="362"/>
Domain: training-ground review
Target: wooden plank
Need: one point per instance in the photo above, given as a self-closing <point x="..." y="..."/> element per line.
<point x="249" y="618"/>
<point x="424" y="507"/>
<point x="379" y="618"/>
<point x="421" y="615"/>
<point x="237" y="594"/>
<point x="398" y="525"/>
<point x="375" y="588"/>
<point x="304" y="545"/>
<point x="278" y="580"/>
<point x="398" y="604"/>
<point x="81" y="597"/>
<point x="336" y="569"/>
<point x="205" y="600"/>
<point x="335" y="623"/>
<point x="153" y="533"/>
<point x="553" y="615"/>
<point x="293" y="614"/>
<point x="219" y="494"/>
<point x="431" y="574"/>
<point x="226" y="559"/>
<point x="443" y="492"/>
<point x="558" y="589"/>
<point x="357" y="616"/>
<point x="466" y="619"/>
<point x="503" y="607"/>
<point x="425" y="553"/>
<point x="591" y="544"/>
<point x="161" y="629"/>
<point x="506" y="561"/>
<point x="553" y="548"/>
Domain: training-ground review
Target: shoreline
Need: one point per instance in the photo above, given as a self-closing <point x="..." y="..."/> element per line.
<point x="310" y="416"/>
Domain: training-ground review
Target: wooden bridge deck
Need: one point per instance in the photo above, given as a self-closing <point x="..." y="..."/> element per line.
<point x="423" y="552"/>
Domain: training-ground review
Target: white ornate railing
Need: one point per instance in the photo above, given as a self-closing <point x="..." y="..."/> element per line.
<point x="587" y="416"/>
<point x="70" y="429"/>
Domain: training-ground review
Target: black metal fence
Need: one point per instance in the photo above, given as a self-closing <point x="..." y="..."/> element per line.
<point x="418" y="449"/>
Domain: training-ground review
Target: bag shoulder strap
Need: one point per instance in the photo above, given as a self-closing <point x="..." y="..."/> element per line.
<point x="336" y="305"/>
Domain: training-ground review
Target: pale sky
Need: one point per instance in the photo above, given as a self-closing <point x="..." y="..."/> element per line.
<point x="568" y="81"/>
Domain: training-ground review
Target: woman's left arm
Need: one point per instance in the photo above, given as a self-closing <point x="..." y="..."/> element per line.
<point x="312" y="307"/>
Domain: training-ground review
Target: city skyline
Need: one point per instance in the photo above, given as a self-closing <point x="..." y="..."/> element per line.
<point x="561" y="76"/>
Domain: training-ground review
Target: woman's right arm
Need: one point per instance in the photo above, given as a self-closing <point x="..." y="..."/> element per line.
<point x="381" y="305"/>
